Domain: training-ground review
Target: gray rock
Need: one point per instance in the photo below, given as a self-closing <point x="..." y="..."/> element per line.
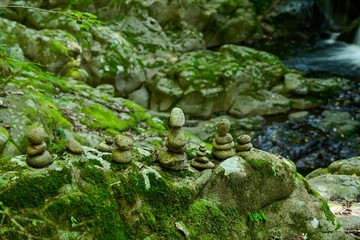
<point x="337" y="187"/>
<point x="177" y="118"/>
<point x="243" y="147"/>
<point x="295" y="84"/>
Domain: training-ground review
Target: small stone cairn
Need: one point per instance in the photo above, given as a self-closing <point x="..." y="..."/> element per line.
<point x="243" y="143"/>
<point x="223" y="144"/>
<point x="107" y="145"/>
<point x="173" y="156"/>
<point x="74" y="146"/>
<point x="37" y="155"/>
<point x="121" y="152"/>
<point x="201" y="161"/>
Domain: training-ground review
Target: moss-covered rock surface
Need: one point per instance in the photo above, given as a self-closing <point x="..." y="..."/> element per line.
<point x="90" y="197"/>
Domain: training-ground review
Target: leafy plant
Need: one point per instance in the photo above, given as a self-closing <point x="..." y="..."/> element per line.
<point x="84" y="19"/>
<point x="257" y="216"/>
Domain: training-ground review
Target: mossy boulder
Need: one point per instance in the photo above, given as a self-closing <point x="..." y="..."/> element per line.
<point x="201" y="86"/>
<point x="89" y="196"/>
<point x="234" y="181"/>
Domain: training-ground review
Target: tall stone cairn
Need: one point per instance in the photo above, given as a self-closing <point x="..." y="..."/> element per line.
<point x="173" y="155"/>
<point x="37" y="155"/>
<point x="223" y="144"/>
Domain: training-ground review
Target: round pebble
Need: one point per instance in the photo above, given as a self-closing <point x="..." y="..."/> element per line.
<point x="223" y="127"/>
<point x="177" y="118"/>
<point x="123" y="142"/>
<point x="243" y="139"/>
<point x="74" y="146"/>
<point x="36" y="136"/>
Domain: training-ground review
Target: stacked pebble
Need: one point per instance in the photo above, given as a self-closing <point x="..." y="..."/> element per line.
<point x="243" y="143"/>
<point x="107" y="145"/>
<point x="37" y="155"/>
<point x="173" y="156"/>
<point x="223" y="142"/>
<point x="74" y="146"/>
<point x="122" y="153"/>
<point x="201" y="161"/>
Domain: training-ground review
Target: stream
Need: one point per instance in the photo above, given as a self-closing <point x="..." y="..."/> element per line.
<point x="317" y="137"/>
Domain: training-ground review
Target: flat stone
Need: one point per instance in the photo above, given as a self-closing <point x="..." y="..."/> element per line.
<point x="202" y="159"/>
<point x="74" y="146"/>
<point x="177" y="118"/>
<point x="40" y="160"/>
<point x="104" y="147"/>
<point x="200" y="165"/>
<point x="173" y="161"/>
<point x="223" y="139"/>
<point x="33" y="150"/>
<point x="243" y="147"/>
<point x="36" y="136"/>
<point x="201" y="153"/>
<point x="222" y="155"/>
<point x="123" y="142"/>
<point x="227" y="146"/>
<point x="243" y="139"/>
<point x="120" y="156"/>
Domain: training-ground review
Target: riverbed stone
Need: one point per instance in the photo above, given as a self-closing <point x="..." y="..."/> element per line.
<point x="36" y="136"/>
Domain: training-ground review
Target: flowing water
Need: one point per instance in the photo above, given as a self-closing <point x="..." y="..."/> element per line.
<point x="330" y="132"/>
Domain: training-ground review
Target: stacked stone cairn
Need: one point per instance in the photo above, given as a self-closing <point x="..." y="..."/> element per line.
<point x="107" y="145"/>
<point x="74" y="146"/>
<point x="223" y="144"/>
<point x="37" y="155"/>
<point x="243" y="143"/>
<point x="201" y="161"/>
<point x="173" y="155"/>
<point x="122" y="151"/>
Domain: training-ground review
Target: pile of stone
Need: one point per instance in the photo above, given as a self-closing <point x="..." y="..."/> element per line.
<point x="243" y="143"/>
<point x="107" y="145"/>
<point x="223" y="144"/>
<point x="173" y="156"/>
<point x="201" y="161"/>
<point x="121" y="152"/>
<point x="37" y="155"/>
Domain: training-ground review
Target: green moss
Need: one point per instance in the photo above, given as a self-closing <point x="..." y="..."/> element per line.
<point x="259" y="163"/>
<point x="99" y="117"/>
<point x="206" y="220"/>
<point x="32" y="191"/>
<point x="329" y="215"/>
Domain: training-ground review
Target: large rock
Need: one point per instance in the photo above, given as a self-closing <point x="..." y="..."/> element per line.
<point x="199" y="85"/>
<point x="89" y="196"/>
<point x="231" y="182"/>
<point x="339" y="183"/>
